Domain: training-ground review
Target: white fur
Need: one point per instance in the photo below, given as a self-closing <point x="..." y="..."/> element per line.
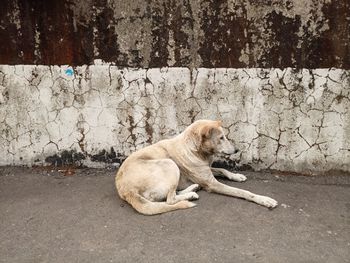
<point x="160" y="177"/>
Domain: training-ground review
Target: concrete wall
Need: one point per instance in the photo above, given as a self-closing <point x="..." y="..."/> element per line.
<point x="177" y="33"/>
<point x="290" y="120"/>
<point x="89" y="81"/>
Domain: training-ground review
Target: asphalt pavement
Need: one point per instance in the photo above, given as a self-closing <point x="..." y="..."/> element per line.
<point x="68" y="215"/>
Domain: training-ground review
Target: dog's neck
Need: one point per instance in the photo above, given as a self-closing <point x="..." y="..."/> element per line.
<point x="192" y="150"/>
<point x="205" y="156"/>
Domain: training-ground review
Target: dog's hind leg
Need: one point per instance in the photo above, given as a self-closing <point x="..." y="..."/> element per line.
<point x="146" y="207"/>
<point x="226" y="174"/>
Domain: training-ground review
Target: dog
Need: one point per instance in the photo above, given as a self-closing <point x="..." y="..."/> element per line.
<point x="166" y="175"/>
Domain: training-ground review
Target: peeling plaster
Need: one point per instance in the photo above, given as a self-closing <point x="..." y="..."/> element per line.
<point x="186" y="33"/>
<point x="289" y="120"/>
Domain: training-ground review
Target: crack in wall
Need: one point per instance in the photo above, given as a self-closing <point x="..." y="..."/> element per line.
<point x="267" y="113"/>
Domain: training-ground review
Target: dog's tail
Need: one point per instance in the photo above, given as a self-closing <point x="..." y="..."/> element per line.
<point x="147" y="207"/>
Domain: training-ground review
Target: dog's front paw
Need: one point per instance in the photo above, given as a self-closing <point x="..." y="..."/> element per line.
<point x="237" y="177"/>
<point x="266" y="201"/>
<point x="241" y="178"/>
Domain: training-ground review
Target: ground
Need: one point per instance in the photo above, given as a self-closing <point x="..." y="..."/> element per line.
<point x="76" y="216"/>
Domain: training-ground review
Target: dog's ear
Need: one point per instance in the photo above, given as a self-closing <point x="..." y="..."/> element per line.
<point x="207" y="131"/>
<point x="200" y="134"/>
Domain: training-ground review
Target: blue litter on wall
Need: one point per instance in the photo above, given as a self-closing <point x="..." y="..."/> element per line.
<point x="69" y="72"/>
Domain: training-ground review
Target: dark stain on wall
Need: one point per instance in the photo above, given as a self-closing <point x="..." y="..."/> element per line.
<point x="224" y="36"/>
<point x="231" y="165"/>
<point x="159" y="35"/>
<point x="106" y="39"/>
<point x="333" y="45"/>
<point x="108" y="157"/>
<point x="283" y="41"/>
<point x="75" y="159"/>
<point x="66" y="158"/>
<point x="187" y="33"/>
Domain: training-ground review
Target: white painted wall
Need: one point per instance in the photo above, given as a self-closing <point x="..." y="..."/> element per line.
<point x="289" y="120"/>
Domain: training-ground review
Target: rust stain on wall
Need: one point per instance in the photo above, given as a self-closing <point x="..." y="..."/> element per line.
<point x="187" y="33"/>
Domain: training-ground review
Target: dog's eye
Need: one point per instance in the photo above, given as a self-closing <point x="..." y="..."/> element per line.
<point x="222" y="137"/>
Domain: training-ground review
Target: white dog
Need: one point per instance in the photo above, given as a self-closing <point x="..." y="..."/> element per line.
<point x="149" y="178"/>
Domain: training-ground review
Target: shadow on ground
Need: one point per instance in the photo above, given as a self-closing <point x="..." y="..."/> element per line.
<point x="53" y="216"/>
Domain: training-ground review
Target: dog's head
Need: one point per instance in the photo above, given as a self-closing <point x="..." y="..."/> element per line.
<point x="209" y="138"/>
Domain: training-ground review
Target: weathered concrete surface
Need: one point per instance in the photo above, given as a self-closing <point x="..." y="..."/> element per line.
<point x="186" y="33"/>
<point x="48" y="217"/>
<point x="289" y="120"/>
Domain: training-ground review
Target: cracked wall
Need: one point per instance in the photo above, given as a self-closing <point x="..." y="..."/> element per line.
<point x="290" y="120"/>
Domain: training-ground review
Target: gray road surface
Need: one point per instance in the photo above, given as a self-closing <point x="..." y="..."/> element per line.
<point x="46" y="216"/>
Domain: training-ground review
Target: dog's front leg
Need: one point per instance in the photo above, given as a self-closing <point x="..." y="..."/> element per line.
<point x="226" y="174"/>
<point x="220" y="188"/>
